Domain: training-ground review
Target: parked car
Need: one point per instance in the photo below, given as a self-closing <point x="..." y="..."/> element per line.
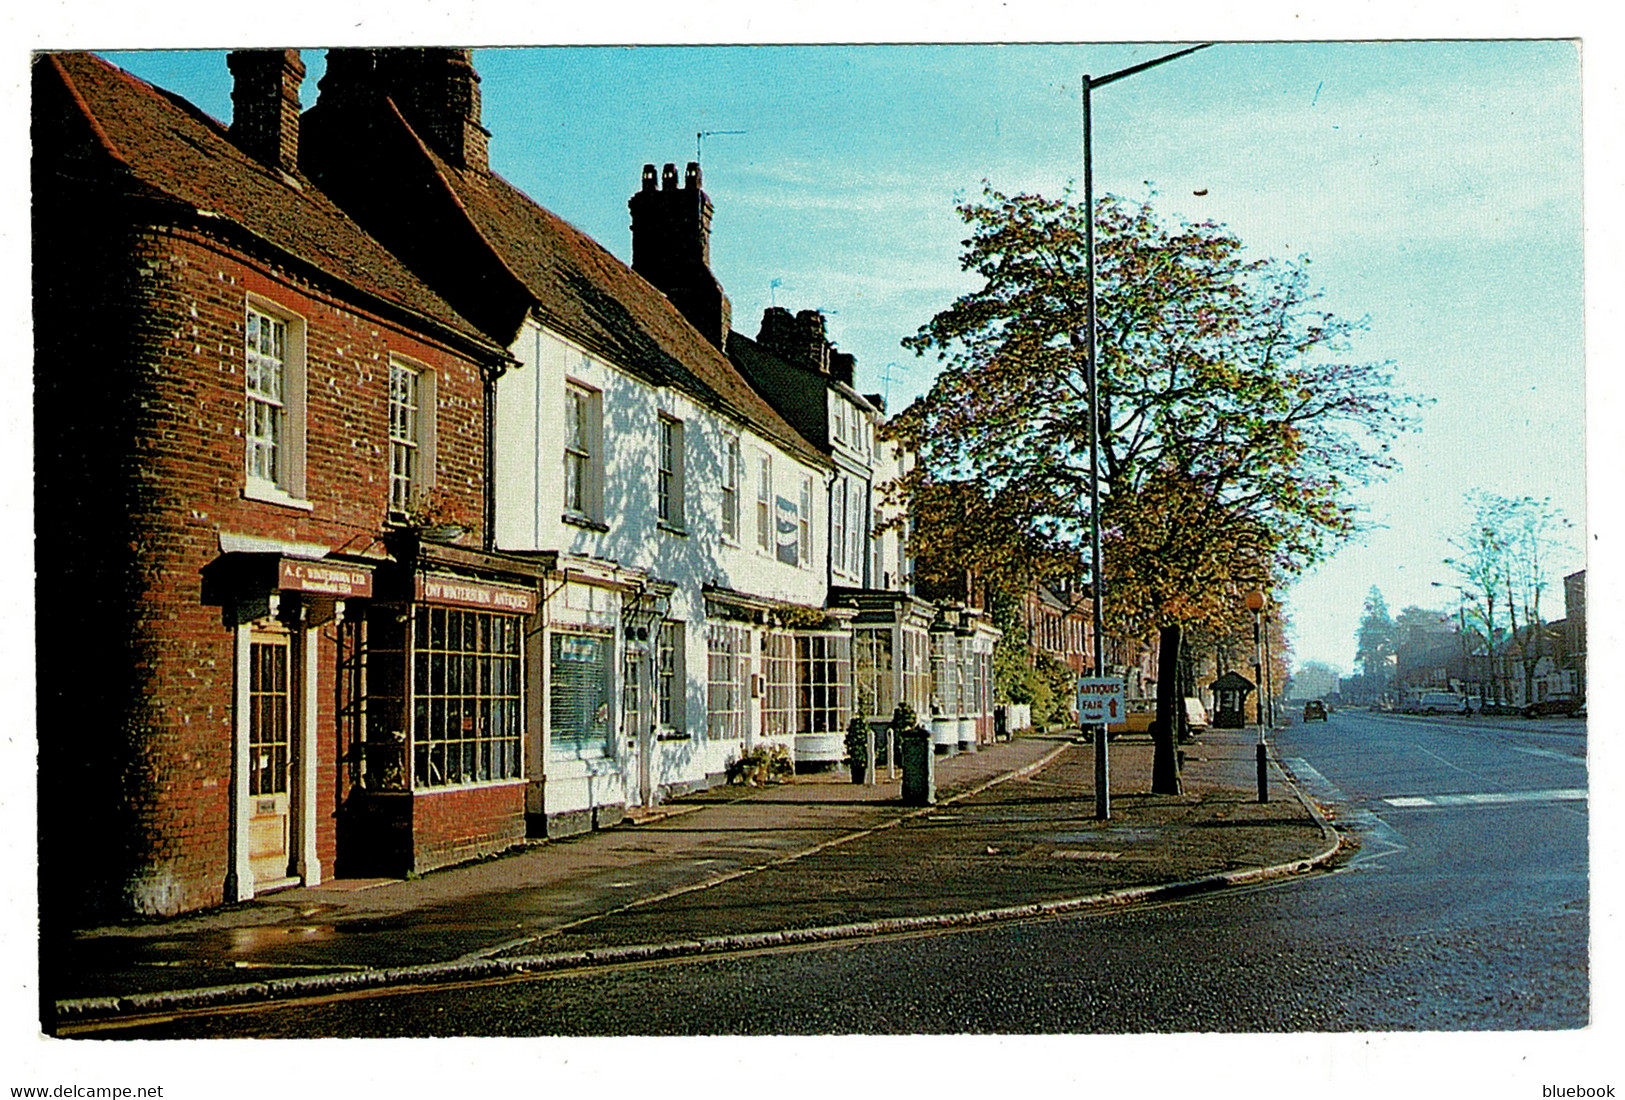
<point x="1441" y="702"/>
<point x="1314" y="709"/>
<point x="1566" y="706"/>
<point x="1140" y="714"/>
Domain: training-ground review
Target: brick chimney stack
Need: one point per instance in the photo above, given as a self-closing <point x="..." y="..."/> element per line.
<point x="439" y="93"/>
<point x="265" y="105"/>
<point x="671" y="247"/>
<point x="801" y="340"/>
<point x="436" y="90"/>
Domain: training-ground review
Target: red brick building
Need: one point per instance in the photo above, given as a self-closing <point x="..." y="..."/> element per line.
<point x="255" y="664"/>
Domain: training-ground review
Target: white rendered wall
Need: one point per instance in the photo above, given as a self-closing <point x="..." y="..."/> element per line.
<point x="530" y="437"/>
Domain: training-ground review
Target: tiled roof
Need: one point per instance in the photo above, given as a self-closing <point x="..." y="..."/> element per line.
<point x="587" y="294"/>
<point x="154" y="144"/>
<point x="798" y="394"/>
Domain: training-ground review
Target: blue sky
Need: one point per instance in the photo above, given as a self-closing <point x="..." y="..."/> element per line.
<point x="1435" y="186"/>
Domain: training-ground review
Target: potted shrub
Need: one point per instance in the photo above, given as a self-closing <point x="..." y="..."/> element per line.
<point x="762" y="765"/>
<point x="857" y="749"/>
<point x="903" y="719"/>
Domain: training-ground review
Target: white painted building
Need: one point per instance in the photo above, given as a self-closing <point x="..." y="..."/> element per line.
<point x="685" y="538"/>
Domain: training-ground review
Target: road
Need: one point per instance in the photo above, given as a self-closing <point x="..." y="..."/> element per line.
<point x="1465" y="907"/>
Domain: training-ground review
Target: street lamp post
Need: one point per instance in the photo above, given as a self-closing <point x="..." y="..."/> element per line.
<point x="1255" y="604"/>
<point x="1103" y="798"/>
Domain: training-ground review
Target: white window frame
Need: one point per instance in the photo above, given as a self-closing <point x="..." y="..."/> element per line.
<point x="804" y="539"/>
<point x="728" y="647"/>
<point x="837" y="520"/>
<point x="669" y="472"/>
<point x="764" y="503"/>
<point x="583" y="458"/>
<point x="855" y="527"/>
<point x="671" y="678"/>
<point x="411" y="434"/>
<point x="730" y="488"/>
<point x="823" y="681"/>
<point x="285" y="444"/>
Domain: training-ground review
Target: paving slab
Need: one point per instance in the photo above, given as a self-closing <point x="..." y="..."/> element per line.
<point x="1014" y="825"/>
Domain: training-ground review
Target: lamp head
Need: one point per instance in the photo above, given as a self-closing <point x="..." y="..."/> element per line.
<point x="1255" y="601"/>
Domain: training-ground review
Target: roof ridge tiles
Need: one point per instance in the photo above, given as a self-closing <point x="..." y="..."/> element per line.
<point x="169" y="147"/>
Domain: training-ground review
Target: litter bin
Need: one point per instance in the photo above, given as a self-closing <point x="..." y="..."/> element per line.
<point x="919" y="768"/>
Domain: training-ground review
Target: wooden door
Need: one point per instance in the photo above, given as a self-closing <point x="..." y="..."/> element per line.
<point x="270" y="744"/>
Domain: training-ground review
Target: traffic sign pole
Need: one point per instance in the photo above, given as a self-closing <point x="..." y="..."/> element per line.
<point x="1101" y="701"/>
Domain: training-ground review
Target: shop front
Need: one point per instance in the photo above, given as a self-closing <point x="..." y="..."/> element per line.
<point x="431" y="715"/>
<point x="277" y="607"/>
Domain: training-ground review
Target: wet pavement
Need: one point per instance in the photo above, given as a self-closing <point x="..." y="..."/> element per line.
<point x="1014" y="825"/>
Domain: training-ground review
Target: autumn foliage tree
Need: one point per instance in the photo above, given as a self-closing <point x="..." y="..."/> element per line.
<point x="1232" y="422"/>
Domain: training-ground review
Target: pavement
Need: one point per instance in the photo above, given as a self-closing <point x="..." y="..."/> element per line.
<point x="1012" y="836"/>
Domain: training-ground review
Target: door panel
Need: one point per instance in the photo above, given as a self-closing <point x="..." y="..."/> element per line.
<point x="270" y="728"/>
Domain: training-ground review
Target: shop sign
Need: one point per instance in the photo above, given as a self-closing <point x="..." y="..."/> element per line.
<point x="324" y="578"/>
<point x="1100" y="699"/>
<point x="477" y="594"/>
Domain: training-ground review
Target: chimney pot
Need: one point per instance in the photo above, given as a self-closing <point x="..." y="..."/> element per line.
<point x="691" y="178"/>
<point x="671" y="248"/>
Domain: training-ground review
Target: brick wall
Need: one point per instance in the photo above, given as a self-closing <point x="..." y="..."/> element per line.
<point x="141" y="466"/>
<point x="460" y="823"/>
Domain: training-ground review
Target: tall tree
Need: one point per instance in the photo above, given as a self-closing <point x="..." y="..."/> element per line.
<point x="1231" y="424"/>
<point x="1504" y="555"/>
<point x="1374" y="640"/>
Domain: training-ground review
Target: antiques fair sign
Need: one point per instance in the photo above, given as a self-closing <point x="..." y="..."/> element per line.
<point x="1100" y="699"/>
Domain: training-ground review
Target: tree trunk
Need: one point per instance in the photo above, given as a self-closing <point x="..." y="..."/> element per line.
<point x="1187" y="690"/>
<point x="1165" y="756"/>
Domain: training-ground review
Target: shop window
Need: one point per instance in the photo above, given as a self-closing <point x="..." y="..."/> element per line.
<point x="823" y="684"/>
<point x="916" y="655"/>
<point x="778" y="684"/>
<point x="465" y="696"/>
<point x="670" y="677"/>
<point x="372" y="701"/>
<point x="944" y="693"/>
<point x="872" y="671"/>
<point x="274" y="404"/>
<point x="579" y="704"/>
<point x="728" y="665"/>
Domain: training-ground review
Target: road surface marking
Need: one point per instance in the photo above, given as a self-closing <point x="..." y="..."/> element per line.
<point x="1494" y="798"/>
<point x="1549" y="754"/>
<point x="1380" y="839"/>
